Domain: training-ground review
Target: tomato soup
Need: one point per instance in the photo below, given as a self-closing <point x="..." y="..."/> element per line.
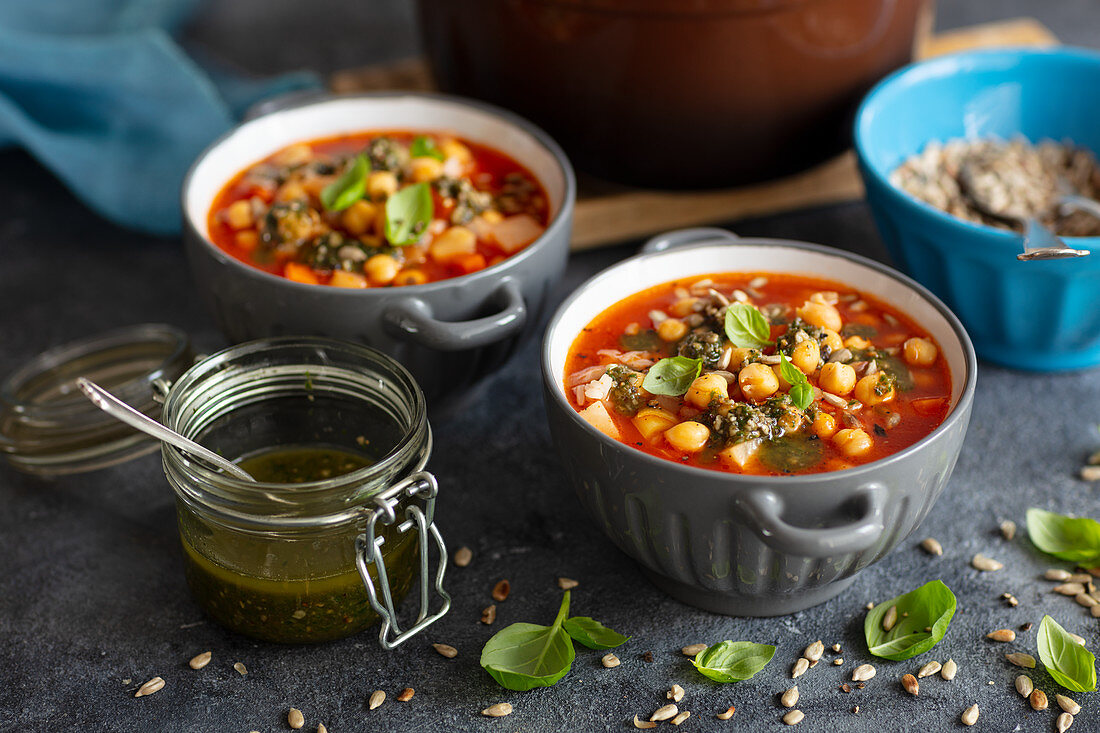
<point x="759" y="373"/>
<point x="379" y="209"/>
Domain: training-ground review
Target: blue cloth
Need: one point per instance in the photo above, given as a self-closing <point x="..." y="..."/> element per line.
<point x="99" y="92"/>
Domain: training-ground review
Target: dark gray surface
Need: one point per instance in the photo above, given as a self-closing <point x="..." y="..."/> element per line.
<point x="92" y="591"/>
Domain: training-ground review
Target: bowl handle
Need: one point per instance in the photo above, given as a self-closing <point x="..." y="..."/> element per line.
<point x="411" y="318"/>
<point x="683" y="237"/>
<point x="764" y="508"/>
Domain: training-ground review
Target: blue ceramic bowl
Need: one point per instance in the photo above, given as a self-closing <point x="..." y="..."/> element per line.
<point x="1040" y="315"/>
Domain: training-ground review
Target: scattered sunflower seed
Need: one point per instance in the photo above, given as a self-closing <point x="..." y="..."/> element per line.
<point x="664" y="712"/>
<point x="463" y="556"/>
<point x="609" y="661"/>
<point x="676" y="694"/>
<point x="1090" y="473"/>
<point x="970" y="715"/>
<point x="862" y="673"/>
<point x="789" y="698"/>
<point x="321" y="728"/>
<point x="890" y="619"/>
<point x="1001" y="635"/>
<point x="200" y="660"/>
<point x="950" y="669"/>
<point x="909" y="684"/>
<point x="489" y="614"/>
<point x="800" y="667"/>
<point x="1063" y="722"/>
<point x="794" y="717"/>
<point x="836" y="648"/>
<point x="1056" y="574"/>
<point x="870" y="605"/>
<point x="1024" y="685"/>
<point x="376" y="699"/>
<point x="855" y="710"/>
<point x="1084" y="599"/>
<point x="1069" y="589"/>
<point x="406" y="694"/>
<point x="501" y="590"/>
<point x="498" y="711"/>
<point x="446" y="650"/>
<point x="1095" y="611"/>
<point x="1010" y="599"/>
<point x="241" y="669"/>
<point x="680" y="717"/>
<point x="727" y="714"/>
<point x="838" y="661"/>
<point x="929" y="669"/>
<point x="1008" y="529"/>
<point x="1026" y="627"/>
<point x="567" y="583"/>
<point x="692" y="650"/>
<point x="845" y="687"/>
<point x="643" y="724"/>
<point x="1083" y="578"/>
<point x="1068" y="704"/>
<point x="814" y="651"/>
<point x="1038" y="699"/>
<point x="985" y="564"/>
<point x="295" y="719"/>
<point x="647" y="657"/>
<point x="932" y="546"/>
<point x="1021" y="660"/>
<point x="154" y="685"/>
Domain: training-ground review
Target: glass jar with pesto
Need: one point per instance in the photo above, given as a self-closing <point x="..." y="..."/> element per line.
<point x="337" y="528"/>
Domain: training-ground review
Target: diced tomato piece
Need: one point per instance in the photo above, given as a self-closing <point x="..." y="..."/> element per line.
<point x="929" y="406"/>
<point x="470" y="263"/>
<point x="300" y="273"/>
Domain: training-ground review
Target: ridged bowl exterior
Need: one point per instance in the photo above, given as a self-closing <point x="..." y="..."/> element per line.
<point x="1041" y="315"/>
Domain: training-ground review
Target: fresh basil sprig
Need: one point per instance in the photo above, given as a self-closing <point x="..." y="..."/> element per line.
<point x="592" y="633"/>
<point x="524" y="656"/>
<point x="425" y="147"/>
<point x="672" y="376"/>
<point x="929" y="607"/>
<point x="408" y="213"/>
<point x="1076" y="539"/>
<point x="348" y="188"/>
<point x="746" y="327"/>
<point x="802" y="394"/>
<point x="1070" y="664"/>
<point x="733" y="661"/>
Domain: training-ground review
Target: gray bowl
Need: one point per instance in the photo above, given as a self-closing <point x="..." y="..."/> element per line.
<point x="753" y="545"/>
<point x="448" y="333"/>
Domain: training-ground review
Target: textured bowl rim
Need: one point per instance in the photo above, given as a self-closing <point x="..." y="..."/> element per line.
<point x="950" y="65"/>
<point x="962" y="407"/>
<point x="561" y="217"/>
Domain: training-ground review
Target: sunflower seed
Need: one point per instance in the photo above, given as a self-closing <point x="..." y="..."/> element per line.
<point x="890" y="619"/>
<point x="728" y="714"/>
<point x="950" y="669"/>
<point x="1068" y="704"/>
<point x="800" y="667"/>
<point x="463" y="556"/>
<point x="909" y="684"/>
<point x="446" y="650"/>
<point x="1069" y="589"/>
<point x="501" y="590"/>
<point x="789" y="698"/>
<point x="835" y="648"/>
<point x="567" y="583"/>
<point x="985" y="564"/>
<point x="664" y="713"/>
<point x="1063" y="722"/>
<point x="321" y="728"/>
<point x="833" y="399"/>
<point x="1084" y="599"/>
<point x="609" y="661"/>
<point x="1038" y="699"/>
<point x="1090" y="473"/>
<point x="932" y="546"/>
<point x="1001" y="635"/>
<point x="1082" y="578"/>
<point x="200" y="660"/>
<point x="1024" y="685"/>
<point x="406" y="694"/>
<point x="489" y="615"/>
<point x="1021" y="660"/>
<point x="1095" y="611"/>
<point x="692" y="649"/>
<point x="838" y="661"/>
<point x="643" y="724"/>
<point x="929" y="669"/>
<point x="295" y="719"/>
<point x="154" y="685"/>
<point x="241" y="669"/>
<point x="862" y="673"/>
<point x="970" y="715"/>
<point x="498" y="711"/>
<point x="1056" y="574"/>
<point x="814" y="651"/>
<point x="376" y="699"/>
<point x="1008" y="529"/>
<point x="1094" y="459"/>
<point x="793" y="717"/>
<point x="855" y="710"/>
<point x="676" y="694"/>
<point x="1010" y="599"/>
<point x="681" y="717"/>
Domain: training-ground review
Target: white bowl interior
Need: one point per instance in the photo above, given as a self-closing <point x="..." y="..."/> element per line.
<point x="634" y="275"/>
<point x="259" y="138"/>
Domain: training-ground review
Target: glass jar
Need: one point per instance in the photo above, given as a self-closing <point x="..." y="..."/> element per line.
<point x="309" y="561"/>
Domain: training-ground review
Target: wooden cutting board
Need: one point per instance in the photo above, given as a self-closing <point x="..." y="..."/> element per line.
<point x="610" y="213"/>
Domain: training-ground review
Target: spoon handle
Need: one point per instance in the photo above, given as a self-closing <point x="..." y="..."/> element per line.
<point x="119" y="410"/>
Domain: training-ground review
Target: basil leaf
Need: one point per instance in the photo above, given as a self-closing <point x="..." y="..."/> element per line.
<point x="930" y="606"/>
<point x="746" y="327"/>
<point x="672" y="376"/>
<point x="425" y="147"/>
<point x="592" y="633"/>
<point x="1070" y="664"/>
<point x="524" y="656"/>
<point x="733" y="661"/>
<point x="408" y="213"/>
<point x="801" y="393"/>
<point x="348" y="188"/>
<point x="1076" y="539"/>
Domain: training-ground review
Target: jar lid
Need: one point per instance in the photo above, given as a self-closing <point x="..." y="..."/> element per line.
<point x="48" y="427"/>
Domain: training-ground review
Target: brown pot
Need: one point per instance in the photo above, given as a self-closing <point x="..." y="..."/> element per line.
<point x="675" y="93"/>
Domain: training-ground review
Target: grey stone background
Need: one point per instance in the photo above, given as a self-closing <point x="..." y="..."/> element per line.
<point x="91" y="590"/>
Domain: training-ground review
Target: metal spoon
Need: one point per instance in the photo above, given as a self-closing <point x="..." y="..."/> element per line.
<point x="119" y="410"/>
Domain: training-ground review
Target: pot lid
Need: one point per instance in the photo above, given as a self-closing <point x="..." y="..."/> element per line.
<point x="48" y="427"/>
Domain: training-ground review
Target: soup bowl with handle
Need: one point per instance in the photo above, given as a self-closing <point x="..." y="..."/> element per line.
<point x="448" y="333"/>
<point x="743" y="544"/>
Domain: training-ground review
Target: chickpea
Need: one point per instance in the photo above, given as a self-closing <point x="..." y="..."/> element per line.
<point x="381" y="269"/>
<point x="359" y="218"/>
<point x="784" y="385"/>
<point x="452" y="148"/>
<point x="822" y="315"/>
<point x="920" y="352"/>
<point x="683" y="307"/>
<point x="295" y="154"/>
<point x="824" y="425"/>
<point x="425" y="169"/>
<point x="757" y="381"/>
<point x="381" y="184"/>
<point x="825" y="297"/>
<point x="688" y="436"/>
<point x="857" y="342"/>
<point x="840" y="379"/>
<point x="738" y="355"/>
<point x="291" y="191"/>
<point x="410" y="276"/>
<point x="651" y="422"/>
<point x="344" y="279"/>
<point x="853" y="442"/>
<point x="706" y="389"/>
<point x="239" y="214"/>
<point x="874" y="389"/>
<point x="672" y="329"/>
<point x="833" y="340"/>
<point x="806" y="356"/>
